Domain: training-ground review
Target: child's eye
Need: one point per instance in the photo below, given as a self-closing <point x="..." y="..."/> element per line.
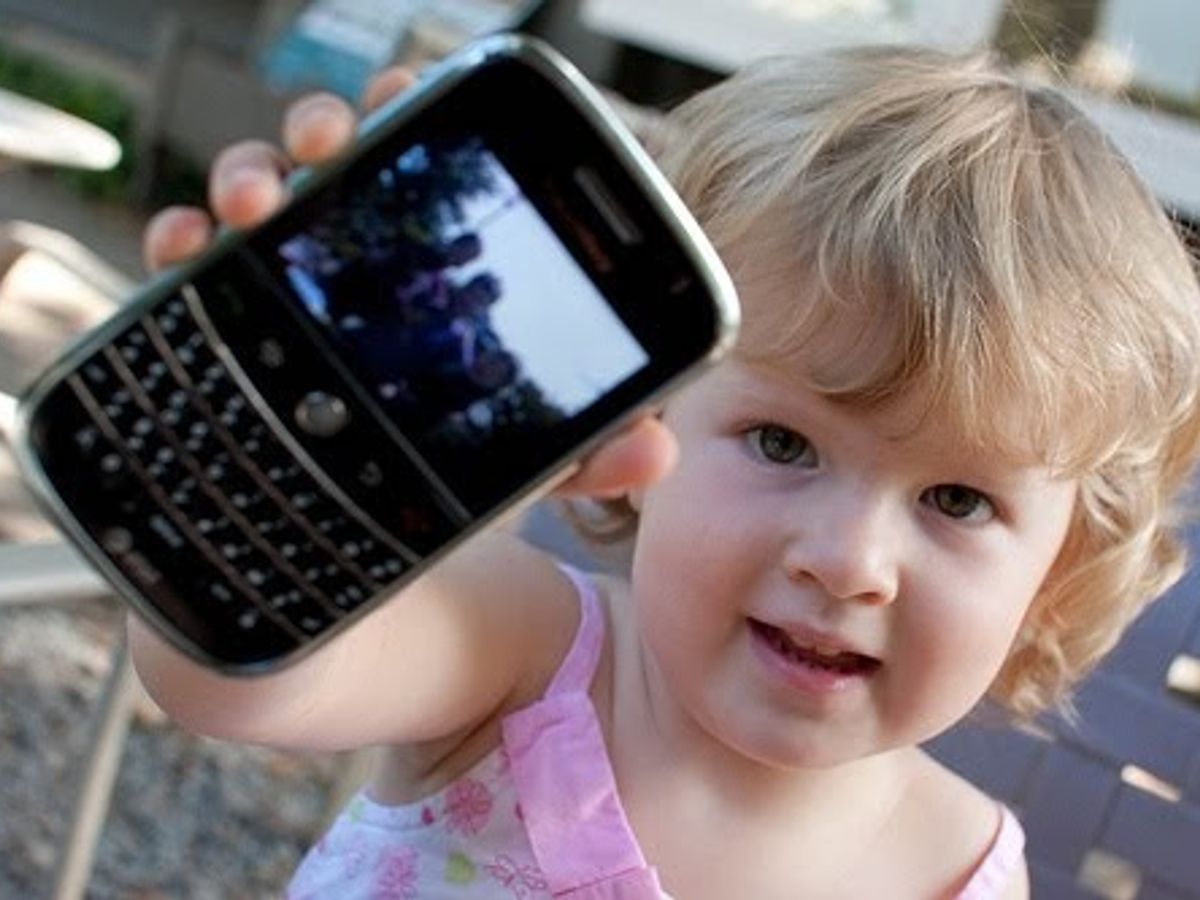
<point x="960" y="502"/>
<point x="781" y="446"/>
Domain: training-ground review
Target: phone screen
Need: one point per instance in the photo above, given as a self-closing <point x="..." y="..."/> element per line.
<point x="451" y="300"/>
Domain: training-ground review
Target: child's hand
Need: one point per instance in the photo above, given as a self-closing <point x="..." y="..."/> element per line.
<point x="246" y="185"/>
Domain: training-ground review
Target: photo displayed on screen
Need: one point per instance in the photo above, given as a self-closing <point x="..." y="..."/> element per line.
<point x="454" y="302"/>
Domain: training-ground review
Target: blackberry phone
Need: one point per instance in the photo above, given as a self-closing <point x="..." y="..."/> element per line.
<point x="268" y="442"/>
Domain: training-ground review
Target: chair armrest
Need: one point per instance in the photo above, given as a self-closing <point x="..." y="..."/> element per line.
<point x="48" y="572"/>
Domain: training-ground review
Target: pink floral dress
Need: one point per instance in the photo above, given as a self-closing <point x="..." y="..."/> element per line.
<point x="538" y="817"/>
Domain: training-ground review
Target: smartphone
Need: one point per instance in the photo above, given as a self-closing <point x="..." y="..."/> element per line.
<point x="267" y="443"/>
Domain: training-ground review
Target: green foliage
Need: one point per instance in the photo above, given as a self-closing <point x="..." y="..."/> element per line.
<point x="177" y="180"/>
<point x="1054" y="29"/>
<point x="1057" y="31"/>
<point x="1171" y="104"/>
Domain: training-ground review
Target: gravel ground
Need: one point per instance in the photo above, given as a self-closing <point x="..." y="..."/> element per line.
<point x="191" y="818"/>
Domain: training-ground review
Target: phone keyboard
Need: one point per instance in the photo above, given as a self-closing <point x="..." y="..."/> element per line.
<point x="213" y="516"/>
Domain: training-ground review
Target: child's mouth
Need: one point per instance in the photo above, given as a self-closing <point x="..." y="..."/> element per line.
<point x="817" y="657"/>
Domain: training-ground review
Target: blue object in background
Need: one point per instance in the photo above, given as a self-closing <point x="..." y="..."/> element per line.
<point x="300" y="60"/>
<point x="337" y="44"/>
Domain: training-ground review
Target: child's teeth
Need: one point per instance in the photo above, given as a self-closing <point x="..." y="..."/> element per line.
<point x="824" y="651"/>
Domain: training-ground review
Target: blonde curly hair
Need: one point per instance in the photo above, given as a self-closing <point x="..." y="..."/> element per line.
<point x="1006" y="262"/>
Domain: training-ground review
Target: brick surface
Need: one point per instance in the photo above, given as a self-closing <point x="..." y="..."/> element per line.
<point x="1192" y="646"/>
<point x="1054" y="884"/>
<point x="998" y="760"/>
<point x="1066" y="811"/>
<point x="1147" y="648"/>
<point x="1163" y="838"/>
<point x="1126" y="724"/>
<point x="1152" y="891"/>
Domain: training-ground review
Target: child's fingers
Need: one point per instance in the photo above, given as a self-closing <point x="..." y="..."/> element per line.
<point x="246" y="183"/>
<point x="175" y="234"/>
<point x="636" y="458"/>
<point x="386" y="85"/>
<point x="318" y="127"/>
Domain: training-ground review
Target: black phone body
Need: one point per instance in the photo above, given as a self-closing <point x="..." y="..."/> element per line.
<point x="264" y="445"/>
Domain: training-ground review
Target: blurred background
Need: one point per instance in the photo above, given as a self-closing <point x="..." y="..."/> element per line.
<point x="112" y="108"/>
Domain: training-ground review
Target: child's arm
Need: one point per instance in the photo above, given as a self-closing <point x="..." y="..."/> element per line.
<point x="482" y="629"/>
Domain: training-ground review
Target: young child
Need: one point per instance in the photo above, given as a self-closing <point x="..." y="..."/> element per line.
<point x="942" y="464"/>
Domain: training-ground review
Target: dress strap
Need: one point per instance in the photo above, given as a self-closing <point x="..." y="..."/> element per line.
<point x="579" y="667"/>
<point x="564" y="780"/>
<point x="993" y="874"/>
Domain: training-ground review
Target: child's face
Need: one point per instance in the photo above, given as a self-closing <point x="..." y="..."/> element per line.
<point x="866" y="531"/>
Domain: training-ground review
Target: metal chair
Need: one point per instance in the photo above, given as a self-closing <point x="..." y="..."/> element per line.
<point x="51" y="288"/>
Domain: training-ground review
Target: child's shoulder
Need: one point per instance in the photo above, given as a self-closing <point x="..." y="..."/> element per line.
<point x="500" y="599"/>
<point x="948" y="823"/>
<point x="937" y="789"/>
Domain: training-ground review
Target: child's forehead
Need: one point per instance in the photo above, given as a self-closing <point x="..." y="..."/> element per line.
<point x="870" y="367"/>
<point x="794" y="321"/>
<point x="918" y="416"/>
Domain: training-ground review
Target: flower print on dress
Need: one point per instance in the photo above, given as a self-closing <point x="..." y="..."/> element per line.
<point x="468" y="806"/>
<point x="396" y="876"/>
<point x="521" y="880"/>
<point x="503" y="762"/>
<point x="354" y="861"/>
<point x="459" y="869"/>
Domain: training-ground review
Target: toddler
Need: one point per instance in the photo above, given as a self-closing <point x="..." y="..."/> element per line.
<point x="942" y="464"/>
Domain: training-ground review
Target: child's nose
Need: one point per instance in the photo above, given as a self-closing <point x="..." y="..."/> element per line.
<point x="849" y="548"/>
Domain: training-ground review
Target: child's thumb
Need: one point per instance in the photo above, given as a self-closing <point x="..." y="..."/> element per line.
<point x="637" y="457"/>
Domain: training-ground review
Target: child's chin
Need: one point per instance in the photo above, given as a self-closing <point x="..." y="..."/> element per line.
<point x="788" y="749"/>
